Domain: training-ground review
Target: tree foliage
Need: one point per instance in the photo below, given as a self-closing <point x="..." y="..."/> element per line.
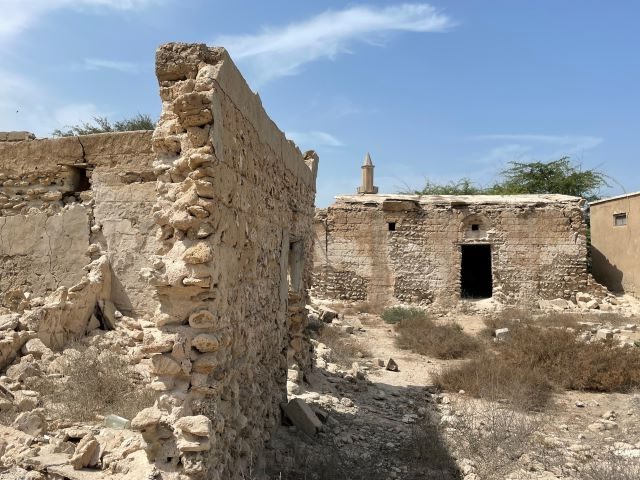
<point x="558" y="176"/>
<point x="103" y="125"/>
<point x="464" y="186"/>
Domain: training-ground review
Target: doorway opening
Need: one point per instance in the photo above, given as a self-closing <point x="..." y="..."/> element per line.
<point x="475" y="272"/>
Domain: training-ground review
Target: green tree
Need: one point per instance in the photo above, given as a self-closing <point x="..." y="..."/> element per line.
<point x="103" y="125"/>
<point x="558" y="176"/>
<point x="463" y="186"/>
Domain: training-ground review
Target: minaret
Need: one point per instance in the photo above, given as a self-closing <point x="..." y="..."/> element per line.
<point x="367" y="176"/>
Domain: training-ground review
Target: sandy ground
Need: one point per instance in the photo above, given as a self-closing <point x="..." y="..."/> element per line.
<point x="375" y="417"/>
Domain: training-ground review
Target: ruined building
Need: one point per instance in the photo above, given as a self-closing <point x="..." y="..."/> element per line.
<point x="196" y="236"/>
<point x="438" y="249"/>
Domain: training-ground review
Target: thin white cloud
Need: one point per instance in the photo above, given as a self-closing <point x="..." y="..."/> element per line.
<point x="18" y="15"/>
<point x="95" y="64"/>
<point x="25" y="105"/>
<point x="282" y="51"/>
<point x="314" y="139"/>
<point x="527" y="147"/>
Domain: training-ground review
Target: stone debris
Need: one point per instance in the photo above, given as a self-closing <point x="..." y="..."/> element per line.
<point x="392" y="366"/>
<point x="186" y="251"/>
<point x="87" y="453"/>
<point x="501" y="333"/>
<point x="303" y="417"/>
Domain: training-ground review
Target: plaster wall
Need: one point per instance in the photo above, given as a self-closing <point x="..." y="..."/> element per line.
<point x="615" y="250"/>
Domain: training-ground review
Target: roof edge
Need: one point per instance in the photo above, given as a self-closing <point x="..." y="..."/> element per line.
<point x="617" y="197"/>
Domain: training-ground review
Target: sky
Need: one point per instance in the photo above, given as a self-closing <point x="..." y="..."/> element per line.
<point x="438" y="90"/>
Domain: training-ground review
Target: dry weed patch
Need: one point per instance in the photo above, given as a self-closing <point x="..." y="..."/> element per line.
<point x="95" y="382"/>
<point x="494" y="436"/>
<point x="419" y="333"/>
<point x="614" y="468"/>
<point x="533" y="361"/>
<point x="345" y="348"/>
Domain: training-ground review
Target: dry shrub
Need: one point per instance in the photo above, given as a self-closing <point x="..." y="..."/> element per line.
<point x="427" y="449"/>
<point x="612" y="468"/>
<point x="489" y="377"/>
<point x="494" y="437"/>
<point x="534" y="361"/>
<point x="417" y="332"/>
<point x="95" y="383"/>
<point x="345" y="348"/>
<point x="304" y="463"/>
<point x="394" y="315"/>
<point x="509" y="318"/>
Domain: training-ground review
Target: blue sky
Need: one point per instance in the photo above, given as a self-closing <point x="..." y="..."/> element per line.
<point x="435" y="90"/>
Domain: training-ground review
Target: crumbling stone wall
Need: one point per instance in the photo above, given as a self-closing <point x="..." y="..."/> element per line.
<point x="234" y="210"/>
<point x="200" y="233"/>
<point x="59" y="196"/>
<point x="538" y="247"/>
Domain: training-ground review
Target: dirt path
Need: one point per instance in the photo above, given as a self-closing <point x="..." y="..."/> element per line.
<point x="375" y="424"/>
<point x="372" y="415"/>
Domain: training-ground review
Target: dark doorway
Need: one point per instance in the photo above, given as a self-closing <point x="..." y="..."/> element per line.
<point x="475" y="271"/>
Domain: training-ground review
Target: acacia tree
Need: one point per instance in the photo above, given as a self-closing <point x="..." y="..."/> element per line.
<point x="557" y="176"/>
<point x="103" y="125"/>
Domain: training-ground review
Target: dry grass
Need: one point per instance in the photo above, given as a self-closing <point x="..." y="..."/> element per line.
<point x="303" y="463"/>
<point x="419" y="333"/>
<point x="356" y="308"/>
<point x="510" y="316"/>
<point x="95" y="383"/>
<point x="532" y="362"/>
<point x="614" y="468"/>
<point x="494" y="437"/>
<point x="427" y="449"/>
<point x="345" y="348"/>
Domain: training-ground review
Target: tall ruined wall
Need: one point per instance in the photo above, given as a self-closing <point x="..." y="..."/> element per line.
<point x="58" y="196"/>
<point x="234" y="210"/>
<point x="538" y="247"/>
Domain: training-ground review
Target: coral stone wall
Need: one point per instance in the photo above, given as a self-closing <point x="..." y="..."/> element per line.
<point x="538" y="247"/>
<point x="59" y="196"/>
<point x="235" y="211"/>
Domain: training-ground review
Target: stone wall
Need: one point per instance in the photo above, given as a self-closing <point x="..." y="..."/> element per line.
<point x="234" y="210"/>
<point x="193" y="241"/>
<point x="59" y="196"/>
<point x="407" y="249"/>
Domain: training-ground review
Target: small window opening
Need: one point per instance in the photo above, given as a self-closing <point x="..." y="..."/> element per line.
<point x="620" y="219"/>
<point x="79" y="179"/>
<point x="392" y="226"/>
<point x="475" y="227"/>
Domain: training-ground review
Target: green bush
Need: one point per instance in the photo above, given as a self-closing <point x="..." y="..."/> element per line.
<point x="393" y="315"/>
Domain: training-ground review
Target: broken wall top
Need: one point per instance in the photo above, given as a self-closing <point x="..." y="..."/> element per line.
<point x="458" y="200"/>
<point x="180" y="61"/>
<point x="127" y="150"/>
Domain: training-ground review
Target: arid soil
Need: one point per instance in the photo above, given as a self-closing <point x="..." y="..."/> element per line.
<point x="382" y="424"/>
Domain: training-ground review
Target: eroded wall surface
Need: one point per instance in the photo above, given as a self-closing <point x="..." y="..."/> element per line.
<point x="615" y="249"/>
<point x="200" y="233"/>
<point x="538" y="247"/>
<point x="59" y="196"/>
<point x="234" y="210"/>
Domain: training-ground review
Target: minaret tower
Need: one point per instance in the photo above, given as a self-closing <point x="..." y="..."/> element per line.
<point x="367" y="176"/>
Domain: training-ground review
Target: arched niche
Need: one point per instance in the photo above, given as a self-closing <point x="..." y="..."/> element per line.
<point x="474" y="227"/>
